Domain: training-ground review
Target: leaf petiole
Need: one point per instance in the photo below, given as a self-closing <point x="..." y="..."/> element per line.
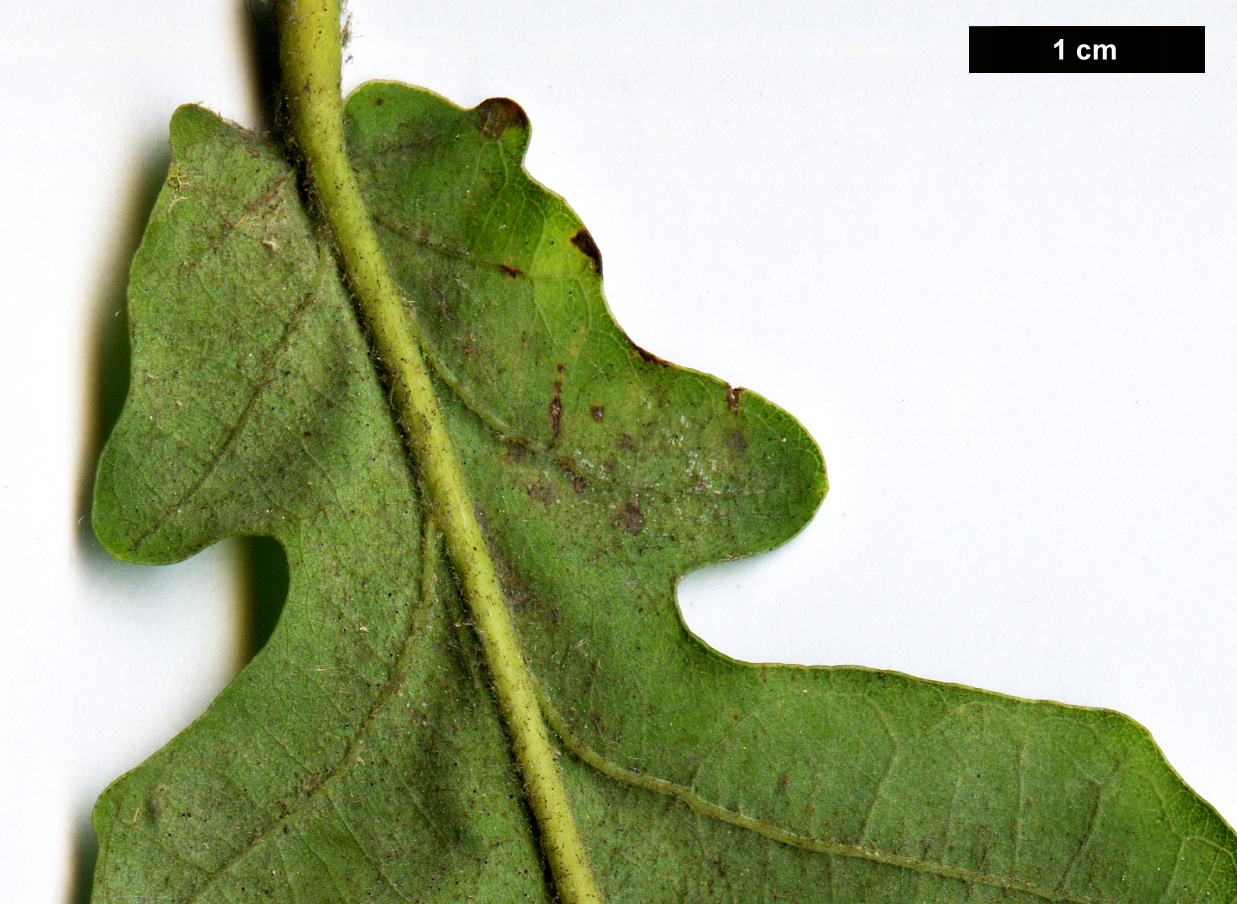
<point x="310" y="53"/>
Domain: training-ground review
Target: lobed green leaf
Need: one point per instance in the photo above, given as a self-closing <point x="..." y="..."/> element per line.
<point x="359" y="756"/>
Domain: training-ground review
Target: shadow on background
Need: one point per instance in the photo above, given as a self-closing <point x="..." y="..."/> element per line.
<point x="264" y="576"/>
<point x="85" y="854"/>
<point x="108" y="370"/>
<point x="262" y="562"/>
<point x="260" y="28"/>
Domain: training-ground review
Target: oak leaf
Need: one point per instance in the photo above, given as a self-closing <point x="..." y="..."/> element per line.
<point x="359" y="756"/>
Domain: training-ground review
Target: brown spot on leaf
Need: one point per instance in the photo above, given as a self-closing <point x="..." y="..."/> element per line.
<point x="732" y="397"/>
<point x="735" y="440"/>
<point x="597" y="413"/>
<point x="157" y="801"/>
<point x="511" y="271"/>
<point x="515" y="455"/>
<point x="645" y="355"/>
<point x="625" y="442"/>
<point x="649" y="358"/>
<point x="585" y="243"/>
<point x="556" y="412"/>
<point x="630" y="519"/>
<point x="498" y="114"/>
<point x="568" y="464"/>
<point x="543" y="492"/>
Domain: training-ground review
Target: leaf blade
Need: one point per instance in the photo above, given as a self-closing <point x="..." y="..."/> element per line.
<point x="883" y="761"/>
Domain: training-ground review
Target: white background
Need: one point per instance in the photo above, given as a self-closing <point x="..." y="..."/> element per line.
<point x="1004" y="306"/>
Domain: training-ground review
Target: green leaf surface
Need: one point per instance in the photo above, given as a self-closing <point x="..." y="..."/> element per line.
<point x="359" y="757"/>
